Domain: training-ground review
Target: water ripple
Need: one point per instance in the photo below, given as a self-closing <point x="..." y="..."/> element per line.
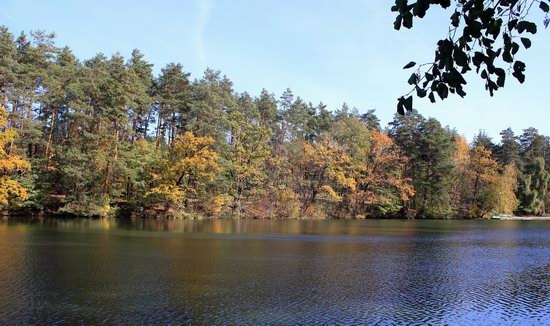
<point x="327" y="273"/>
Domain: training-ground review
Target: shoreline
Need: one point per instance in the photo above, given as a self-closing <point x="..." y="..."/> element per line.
<point x="521" y="218"/>
<point x="4" y="216"/>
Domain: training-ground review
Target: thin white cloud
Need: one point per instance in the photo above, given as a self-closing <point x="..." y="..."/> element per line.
<point x="205" y="6"/>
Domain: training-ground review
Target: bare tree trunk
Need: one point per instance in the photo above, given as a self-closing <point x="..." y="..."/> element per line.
<point x="116" y="140"/>
<point x="146" y="129"/>
<point x="31" y="100"/>
<point x="173" y="128"/>
<point x="160" y="134"/>
<point x="134" y="127"/>
<point x="50" y="136"/>
<point x="107" y="179"/>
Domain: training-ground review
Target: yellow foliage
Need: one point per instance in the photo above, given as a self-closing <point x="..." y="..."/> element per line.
<point x="215" y="205"/>
<point x="12" y="164"/>
<point x="191" y="164"/>
<point x="286" y="203"/>
<point x="328" y="189"/>
<point x="10" y="187"/>
<point x="506" y="187"/>
<point x="483" y="166"/>
<point x="324" y="166"/>
<point x="382" y="170"/>
<point x="9" y="164"/>
<point x="460" y="185"/>
<point x="483" y="176"/>
<point x="171" y="193"/>
<point x="461" y="152"/>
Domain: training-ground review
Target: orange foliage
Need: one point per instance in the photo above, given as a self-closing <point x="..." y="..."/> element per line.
<point x="379" y="177"/>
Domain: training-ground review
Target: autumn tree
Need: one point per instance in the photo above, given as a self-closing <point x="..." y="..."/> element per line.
<point x="321" y="169"/>
<point x="381" y="187"/>
<point x="106" y="137"/>
<point x="181" y="178"/>
<point x="505" y="189"/>
<point x="483" y="170"/>
<point x="10" y="165"/>
<point x="460" y="185"/>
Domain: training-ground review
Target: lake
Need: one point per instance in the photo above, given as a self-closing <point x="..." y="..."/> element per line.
<point x="278" y="272"/>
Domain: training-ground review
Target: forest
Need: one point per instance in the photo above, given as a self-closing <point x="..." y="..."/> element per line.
<point x="105" y="137"/>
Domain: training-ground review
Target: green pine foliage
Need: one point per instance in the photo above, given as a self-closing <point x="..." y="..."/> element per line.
<point x="534" y="185"/>
<point x="106" y="137"/>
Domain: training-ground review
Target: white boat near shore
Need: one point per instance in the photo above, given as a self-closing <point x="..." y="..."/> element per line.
<point x="520" y="218"/>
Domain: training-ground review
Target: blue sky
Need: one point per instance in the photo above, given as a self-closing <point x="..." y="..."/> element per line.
<point x="332" y="51"/>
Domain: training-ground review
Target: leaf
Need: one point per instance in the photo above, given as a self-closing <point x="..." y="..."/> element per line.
<point x="408" y="103"/>
<point x="478" y="59"/>
<point x="544" y="6"/>
<point x="445" y="3"/>
<point x="526" y="42"/>
<point x="460" y="57"/>
<point x="512" y="24"/>
<point x="420" y="8"/>
<point x="507" y="56"/>
<point x="487" y="42"/>
<point x="455" y="19"/>
<point x="501" y="76"/>
<point x="484" y="74"/>
<point x="398" y="21"/>
<point x="401" y="4"/>
<point x="491" y="86"/>
<point x="500" y="80"/>
<point x="431" y="97"/>
<point x="420" y="92"/>
<point x="515" y="48"/>
<point x="475" y="28"/>
<point x="400" y="108"/>
<point x="412" y="80"/>
<point x="408" y="20"/>
<point x="519" y="68"/>
<point x="410" y="65"/>
<point x="442" y="91"/>
<point x="527" y="26"/>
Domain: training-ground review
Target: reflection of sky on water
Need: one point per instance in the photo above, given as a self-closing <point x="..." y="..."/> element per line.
<point x="284" y="272"/>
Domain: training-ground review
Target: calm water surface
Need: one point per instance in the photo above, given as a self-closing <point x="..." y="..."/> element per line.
<point x="278" y="272"/>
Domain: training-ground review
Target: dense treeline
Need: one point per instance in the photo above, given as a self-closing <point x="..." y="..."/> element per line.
<point x="105" y="137"/>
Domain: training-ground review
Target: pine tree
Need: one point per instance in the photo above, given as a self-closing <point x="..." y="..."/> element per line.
<point x="247" y="155"/>
<point x="508" y="151"/>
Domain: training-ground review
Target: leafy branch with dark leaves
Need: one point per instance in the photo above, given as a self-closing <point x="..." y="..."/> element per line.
<point x="484" y="35"/>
